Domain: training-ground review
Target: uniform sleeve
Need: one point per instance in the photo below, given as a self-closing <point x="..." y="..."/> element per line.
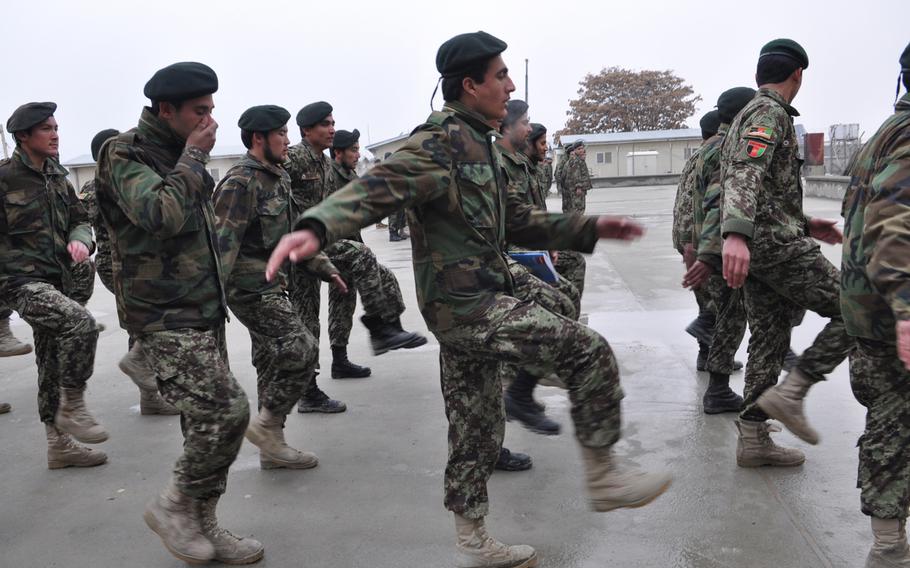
<point x="683" y="218"/>
<point x="161" y="206"/>
<point x="535" y="228"/>
<point x="748" y="162"/>
<point x="887" y="233"/>
<point x="418" y="172"/>
<point x="233" y="203"/>
<point x="79" y="227"/>
<point x="710" y="243"/>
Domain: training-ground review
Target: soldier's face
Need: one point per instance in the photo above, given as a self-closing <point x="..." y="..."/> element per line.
<point x="350" y="156"/>
<point x="41" y="141"/>
<point x="539" y="147"/>
<point x="581" y="152"/>
<point x="185" y="119"/>
<point x="322" y="134"/>
<point x="490" y="97"/>
<point x="276" y="145"/>
<point x="519" y="132"/>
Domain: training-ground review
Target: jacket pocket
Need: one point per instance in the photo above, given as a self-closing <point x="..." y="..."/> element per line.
<point x="25" y="211"/>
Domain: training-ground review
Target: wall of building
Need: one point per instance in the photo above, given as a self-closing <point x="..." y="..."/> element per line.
<point x="671" y="156"/>
<point x="217" y="167"/>
<point x="384" y="150"/>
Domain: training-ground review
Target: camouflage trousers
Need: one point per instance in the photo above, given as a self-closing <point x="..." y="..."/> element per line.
<point x="193" y="375"/>
<point x="881" y="383"/>
<point x="573" y="202"/>
<point x="65" y="337"/>
<point x="397" y="222"/>
<point x="83" y="284"/>
<point x="572" y="266"/>
<point x="774" y="295"/>
<point x="729" y="310"/>
<point x="284" y="352"/>
<point x="104" y="266"/>
<point x="517" y="333"/>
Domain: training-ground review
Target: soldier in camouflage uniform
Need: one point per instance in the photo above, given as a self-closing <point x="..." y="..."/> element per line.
<point x="569" y="263"/>
<point x="576" y="181"/>
<point x="875" y="301"/>
<point x="769" y="247"/>
<point x="43" y="230"/>
<point x="154" y="194"/>
<point x="253" y="211"/>
<point x="561" y="168"/>
<point x="545" y="173"/>
<point x="461" y="214"/>
<point x="312" y="179"/>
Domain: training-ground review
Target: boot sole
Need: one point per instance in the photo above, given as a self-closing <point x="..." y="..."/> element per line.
<point x="152" y="523"/>
<point x="286" y="465"/>
<point x="240" y="562"/>
<point x="16" y="352"/>
<point x="350" y="376"/>
<point x="772" y="407"/>
<point x="604" y="506"/>
<point x="320" y="410"/>
<point x="762" y="463"/>
<point x="57" y="464"/>
<point x="411" y="344"/>
<point x="530" y="428"/>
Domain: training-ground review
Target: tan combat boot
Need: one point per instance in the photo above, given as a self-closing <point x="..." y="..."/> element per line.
<point x="890" y="549"/>
<point x="612" y="487"/>
<point x="150" y="402"/>
<point x="174" y="516"/>
<point x="755" y="447"/>
<point x="134" y="365"/>
<point x="5" y="407"/>
<point x="229" y="548"/>
<point x="9" y="345"/>
<point x="74" y="419"/>
<point x="266" y="430"/>
<point x="477" y="549"/>
<point x="784" y="402"/>
<point x="62" y="451"/>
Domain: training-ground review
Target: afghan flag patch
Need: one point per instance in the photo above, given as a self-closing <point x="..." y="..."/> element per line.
<point x="762" y="132"/>
<point x="756" y="149"/>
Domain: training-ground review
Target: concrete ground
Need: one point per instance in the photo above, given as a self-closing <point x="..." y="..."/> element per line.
<point x="376" y="498"/>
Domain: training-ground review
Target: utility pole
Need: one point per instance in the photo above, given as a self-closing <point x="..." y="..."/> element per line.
<point x="526" y="81"/>
<point x="3" y="141"/>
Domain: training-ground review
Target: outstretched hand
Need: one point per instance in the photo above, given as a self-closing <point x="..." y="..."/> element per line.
<point x="296" y="246"/>
<point x="78" y="251"/>
<point x="621" y="228"/>
<point x="826" y="231"/>
<point x="903" y="342"/>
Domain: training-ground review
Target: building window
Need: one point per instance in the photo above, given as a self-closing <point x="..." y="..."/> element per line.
<point x="608" y="157"/>
<point x="215" y="173"/>
<point x="600" y="157"/>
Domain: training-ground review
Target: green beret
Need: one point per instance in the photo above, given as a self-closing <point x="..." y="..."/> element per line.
<point x="787" y="48"/>
<point x="344" y="139"/>
<point x="313" y="113"/>
<point x="731" y="101"/>
<point x="29" y="115"/>
<point x="905" y="59"/>
<point x="100" y="139"/>
<point x="263" y="118"/>
<point x="181" y="82"/>
<point x="459" y="52"/>
<point x="537" y="130"/>
<point x="709" y="123"/>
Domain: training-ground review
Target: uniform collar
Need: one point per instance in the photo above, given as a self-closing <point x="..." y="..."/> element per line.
<point x="474" y="119"/>
<point x="251" y="161"/>
<point x="158" y="131"/>
<point x="771" y="93"/>
<point x="51" y="166"/>
<point x="903" y="103"/>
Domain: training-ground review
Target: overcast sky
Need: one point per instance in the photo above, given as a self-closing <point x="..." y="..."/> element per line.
<point x="374" y="61"/>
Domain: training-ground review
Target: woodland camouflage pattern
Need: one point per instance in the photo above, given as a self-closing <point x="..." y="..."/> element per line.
<point x="103" y="254"/>
<point x="682" y="205"/>
<point x="706" y="200"/>
<point x="577" y="183"/>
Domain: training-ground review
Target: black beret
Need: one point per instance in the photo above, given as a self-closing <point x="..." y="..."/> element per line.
<point x="515" y="109"/>
<point x="181" y="82"/>
<point x="459" y="52"/>
<point x="313" y="113"/>
<point x="344" y="139"/>
<point x="905" y="59"/>
<point x="263" y="118"/>
<point x="710" y="124"/>
<point x="29" y="115"/>
<point x="100" y="139"/>
<point x="787" y="48"/>
<point x="569" y="147"/>
<point x="731" y="101"/>
<point x="537" y="130"/>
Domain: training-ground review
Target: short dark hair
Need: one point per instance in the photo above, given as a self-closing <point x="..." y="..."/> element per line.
<point x="451" y="86"/>
<point x="246" y="136"/>
<point x="156" y="106"/>
<point x="775" y="69"/>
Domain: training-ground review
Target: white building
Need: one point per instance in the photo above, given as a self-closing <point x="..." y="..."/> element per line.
<point x="82" y="168"/>
<point x="637" y="158"/>
<point x="386" y="148"/>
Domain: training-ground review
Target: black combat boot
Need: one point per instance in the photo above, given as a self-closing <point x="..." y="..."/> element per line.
<point x="701" y="364"/>
<point x="342" y="368"/>
<point x="702" y="328"/>
<point x="509" y="461"/>
<point x="385" y="336"/>
<point x="719" y="397"/>
<point x="790" y="360"/>
<point x="314" y="400"/>
<point x="395" y="236"/>
<point x="520" y="405"/>
<point x="418" y="339"/>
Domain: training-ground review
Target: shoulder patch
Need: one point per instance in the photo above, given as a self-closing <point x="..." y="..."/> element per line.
<point x="760" y="132"/>
<point x="756" y="149"/>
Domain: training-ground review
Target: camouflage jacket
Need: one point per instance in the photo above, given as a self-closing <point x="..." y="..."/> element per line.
<point x="311" y="175"/>
<point x="40" y="216"/>
<point x="517" y="170"/>
<point x="761" y="190"/>
<point x="577" y="176"/>
<point x="706" y="200"/>
<point x="559" y="174"/>
<point x="253" y="210"/>
<point x="341" y="176"/>
<point x="544" y="178"/>
<point x="683" y="218"/>
<point x="875" y="274"/>
<point x="461" y="214"/>
<point x="90" y="202"/>
<point x="155" y="196"/>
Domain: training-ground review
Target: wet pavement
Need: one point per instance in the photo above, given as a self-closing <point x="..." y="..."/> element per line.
<point x="376" y="498"/>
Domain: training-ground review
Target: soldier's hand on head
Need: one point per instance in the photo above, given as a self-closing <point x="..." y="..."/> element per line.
<point x="826" y="231"/>
<point x="203" y="136"/>
<point x="622" y="228"/>
<point x="697" y="275"/>
<point x="903" y="342"/>
<point x="297" y="246"/>
<point x="339" y="283"/>
<point x="78" y="251"/>
<point x="689" y="255"/>
<point x="736" y="258"/>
